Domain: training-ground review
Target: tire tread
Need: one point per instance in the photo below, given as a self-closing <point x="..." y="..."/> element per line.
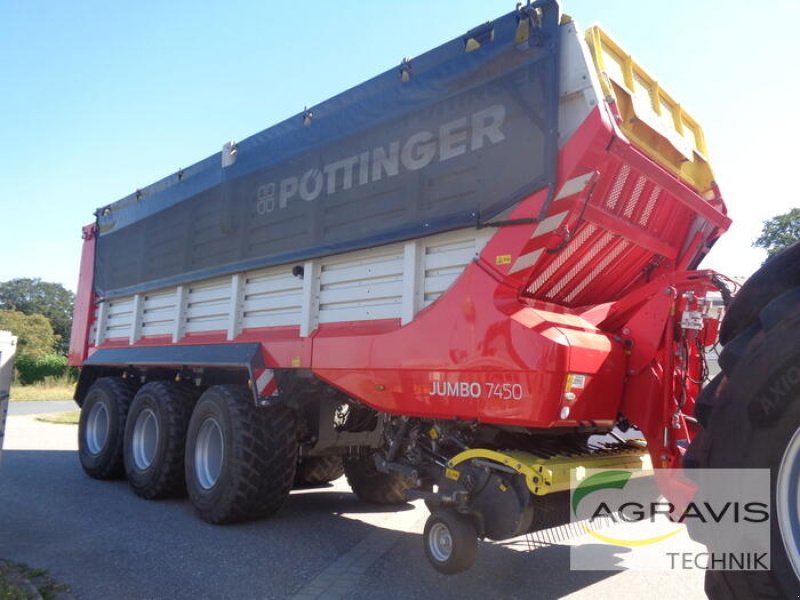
<point x="733" y="436"/>
<point x="370" y="485"/>
<point x="265" y="447"/>
<point x="122" y="392"/>
<point x="177" y="401"/>
<point x="318" y="469"/>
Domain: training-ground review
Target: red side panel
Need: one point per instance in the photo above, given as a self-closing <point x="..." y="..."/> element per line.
<point x="84" y="301"/>
<point x="473" y="355"/>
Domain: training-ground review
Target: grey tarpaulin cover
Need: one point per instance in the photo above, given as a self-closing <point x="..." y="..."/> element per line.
<point x="450" y="139"/>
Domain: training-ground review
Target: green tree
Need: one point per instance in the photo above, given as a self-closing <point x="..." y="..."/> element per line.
<point x="36" y="337"/>
<point x="779" y="232"/>
<point x="34" y="296"/>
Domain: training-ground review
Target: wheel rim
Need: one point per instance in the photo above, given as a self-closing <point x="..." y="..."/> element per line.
<point x="98" y="424"/>
<point x="440" y="542"/>
<point x="208" y="453"/>
<point x="787" y="495"/>
<point x="145" y="439"/>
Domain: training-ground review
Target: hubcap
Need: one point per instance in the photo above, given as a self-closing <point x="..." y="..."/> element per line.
<point x="145" y="439"/>
<point x="208" y="453"/>
<point x="440" y="542"/>
<point x="97" y="426"/>
<point x="787" y="494"/>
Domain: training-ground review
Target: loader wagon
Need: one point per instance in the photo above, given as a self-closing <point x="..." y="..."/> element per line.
<point x="440" y="283"/>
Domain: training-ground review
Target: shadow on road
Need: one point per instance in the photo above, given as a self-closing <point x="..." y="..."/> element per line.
<point x="104" y="542"/>
<point x="323" y="500"/>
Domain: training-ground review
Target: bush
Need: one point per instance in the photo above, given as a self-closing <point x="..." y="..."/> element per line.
<point x="36" y="337"/>
<point x="33" y="369"/>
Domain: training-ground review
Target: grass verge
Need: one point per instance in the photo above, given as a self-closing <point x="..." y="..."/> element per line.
<point x="71" y="417"/>
<point x="47" y="390"/>
<point x="21" y="582"/>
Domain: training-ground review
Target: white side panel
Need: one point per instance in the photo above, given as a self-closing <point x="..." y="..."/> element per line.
<point x="444" y="258"/>
<point x="360" y="286"/>
<point x="93" y="328"/>
<point x="309" y="315"/>
<point x="235" y="312"/>
<point x="208" y="305"/>
<point x="179" y="320"/>
<point x="412" y="281"/>
<point x="389" y="282"/>
<point x="272" y="298"/>
<point x="119" y="318"/>
<point x="159" y="313"/>
<point x="136" y="315"/>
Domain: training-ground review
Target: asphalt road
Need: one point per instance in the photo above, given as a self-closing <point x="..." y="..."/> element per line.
<point x="104" y="542"/>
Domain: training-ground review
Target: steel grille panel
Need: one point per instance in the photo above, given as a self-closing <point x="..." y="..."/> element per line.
<point x="630" y="205"/>
<point x="616" y="189"/>
<point x="562" y="258"/>
<point x="607" y="257"/>
<point x="580" y="265"/>
<point x="648" y="209"/>
<point x="612" y="255"/>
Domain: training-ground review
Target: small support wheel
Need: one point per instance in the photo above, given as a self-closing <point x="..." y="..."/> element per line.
<point x="451" y="542"/>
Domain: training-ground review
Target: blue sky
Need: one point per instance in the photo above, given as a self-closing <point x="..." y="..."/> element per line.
<point x="100" y="98"/>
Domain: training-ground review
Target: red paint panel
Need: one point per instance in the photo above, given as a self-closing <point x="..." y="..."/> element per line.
<point x="83" y="313"/>
<point x="115" y="342"/>
<point x="465" y="358"/>
<point x="205" y="337"/>
<point x="154" y="340"/>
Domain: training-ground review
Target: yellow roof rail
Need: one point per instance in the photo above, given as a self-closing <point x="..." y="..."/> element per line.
<point x="651" y="118"/>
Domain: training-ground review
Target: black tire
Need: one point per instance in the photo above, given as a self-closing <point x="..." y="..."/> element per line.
<point x="102" y="427"/>
<point x="317" y="470"/>
<point x="779" y="274"/>
<point x="240" y="459"/>
<point x="750" y="416"/>
<point x="451" y="542"/>
<point x="155" y="439"/>
<point x="371" y="485"/>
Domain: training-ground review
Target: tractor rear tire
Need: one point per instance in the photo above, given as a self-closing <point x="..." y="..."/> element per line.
<point x="318" y="470"/>
<point x="240" y="459"/>
<point x="101" y="428"/>
<point x="751" y="419"/>
<point x="155" y="439"/>
<point x="373" y="486"/>
<point x="779" y="274"/>
<point x="451" y="541"/>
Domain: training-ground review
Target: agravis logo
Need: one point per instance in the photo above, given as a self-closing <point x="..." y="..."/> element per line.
<point x="637" y="527"/>
<point x="612" y="480"/>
